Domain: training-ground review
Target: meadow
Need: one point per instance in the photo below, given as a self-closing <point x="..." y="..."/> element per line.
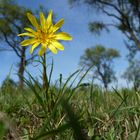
<point x="68" y="111"/>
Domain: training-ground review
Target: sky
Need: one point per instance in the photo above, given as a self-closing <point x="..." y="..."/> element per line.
<point x="76" y="24"/>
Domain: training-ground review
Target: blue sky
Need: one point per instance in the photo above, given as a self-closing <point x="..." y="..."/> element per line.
<point x="76" y="24"/>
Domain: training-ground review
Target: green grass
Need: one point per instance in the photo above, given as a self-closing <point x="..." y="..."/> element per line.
<point x="70" y="111"/>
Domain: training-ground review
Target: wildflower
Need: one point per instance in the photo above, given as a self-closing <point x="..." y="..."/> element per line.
<point x="45" y="35"/>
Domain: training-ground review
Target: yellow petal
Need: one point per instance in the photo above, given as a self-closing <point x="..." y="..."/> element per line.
<point x="42" y="20"/>
<point x="26" y="34"/>
<point x="27" y="42"/>
<point x="58" y="45"/>
<point x="62" y="36"/>
<point x="52" y="48"/>
<point x="30" y="30"/>
<point x="42" y="50"/>
<point x="33" y="47"/>
<point x="58" y="25"/>
<point x="50" y="30"/>
<point x="33" y="20"/>
<point x="49" y="19"/>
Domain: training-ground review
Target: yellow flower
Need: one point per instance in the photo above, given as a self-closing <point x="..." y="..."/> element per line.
<point x="45" y="34"/>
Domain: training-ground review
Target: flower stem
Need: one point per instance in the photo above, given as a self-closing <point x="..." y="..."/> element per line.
<point x="45" y="78"/>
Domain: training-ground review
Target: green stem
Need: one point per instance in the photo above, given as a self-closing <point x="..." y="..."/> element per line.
<point x="45" y="78"/>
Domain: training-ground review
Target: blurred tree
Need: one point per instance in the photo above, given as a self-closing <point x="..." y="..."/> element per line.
<point x="124" y="14"/>
<point x="9" y="84"/>
<point x="13" y="19"/>
<point x="132" y="74"/>
<point x="101" y="59"/>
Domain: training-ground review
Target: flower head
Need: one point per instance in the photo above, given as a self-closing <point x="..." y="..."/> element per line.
<point x="45" y="35"/>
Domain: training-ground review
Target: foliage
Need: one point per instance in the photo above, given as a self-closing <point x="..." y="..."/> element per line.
<point x="12" y="20"/>
<point x="124" y="15"/>
<point x="101" y="59"/>
<point x="132" y="73"/>
<point x="97" y="27"/>
<point x="8" y="82"/>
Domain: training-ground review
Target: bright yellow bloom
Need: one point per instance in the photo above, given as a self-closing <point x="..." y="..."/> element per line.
<point x="45" y="34"/>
